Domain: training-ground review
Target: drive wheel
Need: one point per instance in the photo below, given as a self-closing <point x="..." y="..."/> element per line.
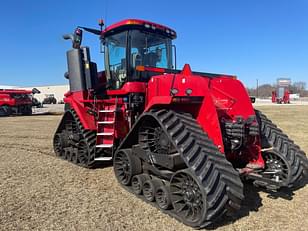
<point x="126" y="166"/>
<point x="187" y="197"/>
<point x="277" y="167"/>
<point x="274" y="138"/>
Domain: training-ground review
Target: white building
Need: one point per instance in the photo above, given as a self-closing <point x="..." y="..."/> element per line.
<point x="57" y="90"/>
<point x="7" y="87"/>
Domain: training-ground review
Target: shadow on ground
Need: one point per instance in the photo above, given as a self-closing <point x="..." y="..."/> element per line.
<point x="252" y="201"/>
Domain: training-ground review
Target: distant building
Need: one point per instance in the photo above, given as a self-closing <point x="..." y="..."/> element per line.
<point x="7" y="87"/>
<point x="57" y="90"/>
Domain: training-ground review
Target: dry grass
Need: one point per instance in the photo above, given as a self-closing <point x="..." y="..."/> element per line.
<point x="40" y="192"/>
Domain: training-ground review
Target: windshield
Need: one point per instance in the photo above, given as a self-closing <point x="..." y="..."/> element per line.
<point x="127" y="50"/>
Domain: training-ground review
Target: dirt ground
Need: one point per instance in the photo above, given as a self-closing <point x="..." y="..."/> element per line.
<point x="40" y="192"/>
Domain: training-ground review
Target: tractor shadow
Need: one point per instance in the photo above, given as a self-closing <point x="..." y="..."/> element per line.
<point x="286" y="193"/>
<point x="253" y="202"/>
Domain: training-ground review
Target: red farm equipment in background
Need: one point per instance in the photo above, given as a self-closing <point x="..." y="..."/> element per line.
<point x="180" y="140"/>
<point x="16" y="102"/>
<point x="282" y="92"/>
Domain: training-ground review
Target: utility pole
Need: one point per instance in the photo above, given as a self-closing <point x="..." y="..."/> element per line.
<point x="257" y="88"/>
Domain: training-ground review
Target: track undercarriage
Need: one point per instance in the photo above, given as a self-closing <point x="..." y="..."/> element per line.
<point x="176" y="167"/>
<point x="176" y="164"/>
<point x="74" y="143"/>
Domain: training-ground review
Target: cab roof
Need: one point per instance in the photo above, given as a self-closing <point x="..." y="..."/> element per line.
<point x="138" y="24"/>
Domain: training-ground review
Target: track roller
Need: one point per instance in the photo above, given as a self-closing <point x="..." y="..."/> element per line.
<point x="149" y="189"/>
<point x="138" y="181"/>
<point x="162" y="196"/>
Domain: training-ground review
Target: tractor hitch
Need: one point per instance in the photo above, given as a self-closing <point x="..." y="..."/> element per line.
<point x="262" y="178"/>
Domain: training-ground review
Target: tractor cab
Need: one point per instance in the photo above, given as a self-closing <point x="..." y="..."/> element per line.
<point x="127" y="45"/>
<point x="135" y="43"/>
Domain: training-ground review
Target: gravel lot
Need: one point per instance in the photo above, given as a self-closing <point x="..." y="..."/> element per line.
<point x="40" y="192"/>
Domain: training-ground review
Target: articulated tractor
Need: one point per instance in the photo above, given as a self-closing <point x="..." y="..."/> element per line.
<point x="181" y="140"/>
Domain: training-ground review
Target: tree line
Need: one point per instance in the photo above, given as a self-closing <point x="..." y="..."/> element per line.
<point x="265" y="90"/>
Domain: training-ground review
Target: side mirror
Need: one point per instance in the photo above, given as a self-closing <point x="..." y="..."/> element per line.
<point x="76" y="38"/>
<point x="252" y="99"/>
<point x="66" y="75"/>
<point x="35" y="91"/>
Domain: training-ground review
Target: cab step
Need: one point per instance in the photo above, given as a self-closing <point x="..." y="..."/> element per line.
<point x="106" y="158"/>
<point x="105" y="122"/>
<point x="107" y="111"/>
<point x="105" y="134"/>
<point x="104" y="145"/>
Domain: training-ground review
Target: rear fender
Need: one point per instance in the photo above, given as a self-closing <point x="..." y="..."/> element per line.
<point x="86" y="119"/>
<point x="67" y="115"/>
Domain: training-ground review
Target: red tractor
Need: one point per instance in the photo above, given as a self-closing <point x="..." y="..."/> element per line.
<point x="281" y="97"/>
<point x="16" y="102"/>
<point x="180" y="140"/>
<point x="282" y="93"/>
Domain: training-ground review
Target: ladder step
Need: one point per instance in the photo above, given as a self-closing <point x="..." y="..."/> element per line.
<point x="105" y="122"/>
<point x="104" y="145"/>
<point x="107" y="158"/>
<point x="107" y="111"/>
<point x="105" y="134"/>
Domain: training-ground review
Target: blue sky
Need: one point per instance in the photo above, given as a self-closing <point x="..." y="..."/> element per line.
<point x="253" y="39"/>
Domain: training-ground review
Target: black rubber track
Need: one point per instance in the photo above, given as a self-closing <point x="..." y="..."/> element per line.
<point x="90" y="137"/>
<point x="221" y="182"/>
<point x="273" y="136"/>
<point x="86" y="135"/>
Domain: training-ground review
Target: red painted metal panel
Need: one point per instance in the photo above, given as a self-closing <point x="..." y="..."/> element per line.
<point x="129" y="87"/>
<point x="7" y="98"/>
<point x="127" y="22"/>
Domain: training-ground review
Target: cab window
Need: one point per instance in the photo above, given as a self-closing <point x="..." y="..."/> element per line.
<point x="116" y="59"/>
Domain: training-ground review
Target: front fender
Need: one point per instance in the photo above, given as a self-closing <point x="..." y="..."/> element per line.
<point x="157" y="101"/>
